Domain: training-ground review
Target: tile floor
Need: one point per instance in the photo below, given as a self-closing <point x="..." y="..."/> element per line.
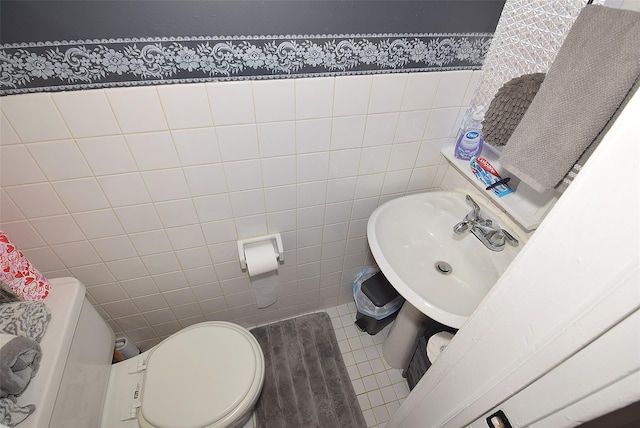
<point x="380" y="388"/>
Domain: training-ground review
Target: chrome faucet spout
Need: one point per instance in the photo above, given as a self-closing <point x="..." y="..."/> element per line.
<point x="474" y="215"/>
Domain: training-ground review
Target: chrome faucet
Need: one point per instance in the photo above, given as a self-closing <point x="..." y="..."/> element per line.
<point x="492" y="237"/>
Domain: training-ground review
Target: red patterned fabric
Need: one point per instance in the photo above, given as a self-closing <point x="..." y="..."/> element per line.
<point x="18" y="273"/>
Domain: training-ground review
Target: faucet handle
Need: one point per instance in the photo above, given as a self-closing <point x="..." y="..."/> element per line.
<point x="475" y="214"/>
<point x="461" y="227"/>
<point x="510" y="239"/>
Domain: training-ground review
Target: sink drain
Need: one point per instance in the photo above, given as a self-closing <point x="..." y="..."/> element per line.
<point x="443" y="267"/>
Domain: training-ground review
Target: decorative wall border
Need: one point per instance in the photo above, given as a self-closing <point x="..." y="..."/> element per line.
<point x="84" y="64"/>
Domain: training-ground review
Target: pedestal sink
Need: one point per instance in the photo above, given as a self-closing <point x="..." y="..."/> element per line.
<point x="440" y="274"/>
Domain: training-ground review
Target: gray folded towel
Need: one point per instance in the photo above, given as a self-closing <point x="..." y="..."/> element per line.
<point x="19" y="362"/>
<point x="594" y="71"/>
<point x="28" y="319"/>
<point x="11" y="414"/>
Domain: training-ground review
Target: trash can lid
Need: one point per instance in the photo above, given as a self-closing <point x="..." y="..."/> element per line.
<point x="379" y="290"/>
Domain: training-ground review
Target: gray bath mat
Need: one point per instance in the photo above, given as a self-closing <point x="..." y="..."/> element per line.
<point x="306" y="382"/>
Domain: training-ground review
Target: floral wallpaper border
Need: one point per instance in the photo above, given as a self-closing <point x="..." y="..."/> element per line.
<point x="87" y="64"/>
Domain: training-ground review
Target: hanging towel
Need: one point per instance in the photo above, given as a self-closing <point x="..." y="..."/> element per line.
<point x="594" y="72"/>
<point x="575" y="169"/>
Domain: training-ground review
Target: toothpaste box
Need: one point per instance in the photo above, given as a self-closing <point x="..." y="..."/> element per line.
<point x="487" y="174"/>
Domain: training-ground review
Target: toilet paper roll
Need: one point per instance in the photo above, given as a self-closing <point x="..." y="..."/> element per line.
<point x="265" y="288"/>
<point x="436" y="344"/>
<point x="261" y="258"/>
<point x="126" y="347"/>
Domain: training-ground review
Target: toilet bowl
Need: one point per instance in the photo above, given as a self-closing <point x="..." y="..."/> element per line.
<point x="207" y="375"/>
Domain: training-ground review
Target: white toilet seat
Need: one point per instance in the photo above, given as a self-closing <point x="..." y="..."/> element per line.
<point x="206" y="375"/>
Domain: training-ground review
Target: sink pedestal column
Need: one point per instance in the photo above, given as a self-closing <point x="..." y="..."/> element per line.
<point x="401" y="342"/>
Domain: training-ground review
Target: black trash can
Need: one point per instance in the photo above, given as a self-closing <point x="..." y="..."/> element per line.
<point x="377" y="301"/>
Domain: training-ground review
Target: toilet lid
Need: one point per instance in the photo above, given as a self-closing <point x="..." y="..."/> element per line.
<point x="199" y="375"/>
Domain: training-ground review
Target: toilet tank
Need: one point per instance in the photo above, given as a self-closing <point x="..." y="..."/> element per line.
<point x="77" y="350"/>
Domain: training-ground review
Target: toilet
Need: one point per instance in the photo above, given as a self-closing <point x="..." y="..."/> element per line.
<point x="206" y="375"/>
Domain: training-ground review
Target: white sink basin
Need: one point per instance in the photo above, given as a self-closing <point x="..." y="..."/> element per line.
<point x="410" y="235"/>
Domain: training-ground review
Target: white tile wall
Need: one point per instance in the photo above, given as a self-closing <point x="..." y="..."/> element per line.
<point x="141" y="192"/>
<point x="34" y="118"/>
<point x="86" y="113"/>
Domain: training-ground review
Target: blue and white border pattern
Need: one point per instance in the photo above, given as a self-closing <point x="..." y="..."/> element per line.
<point x="84" y="64"/>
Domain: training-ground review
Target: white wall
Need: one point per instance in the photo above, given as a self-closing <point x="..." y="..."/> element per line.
<point x="141" y="192"/>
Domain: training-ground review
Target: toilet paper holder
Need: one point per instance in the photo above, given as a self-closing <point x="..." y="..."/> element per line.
<point x="276" y="241"/>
